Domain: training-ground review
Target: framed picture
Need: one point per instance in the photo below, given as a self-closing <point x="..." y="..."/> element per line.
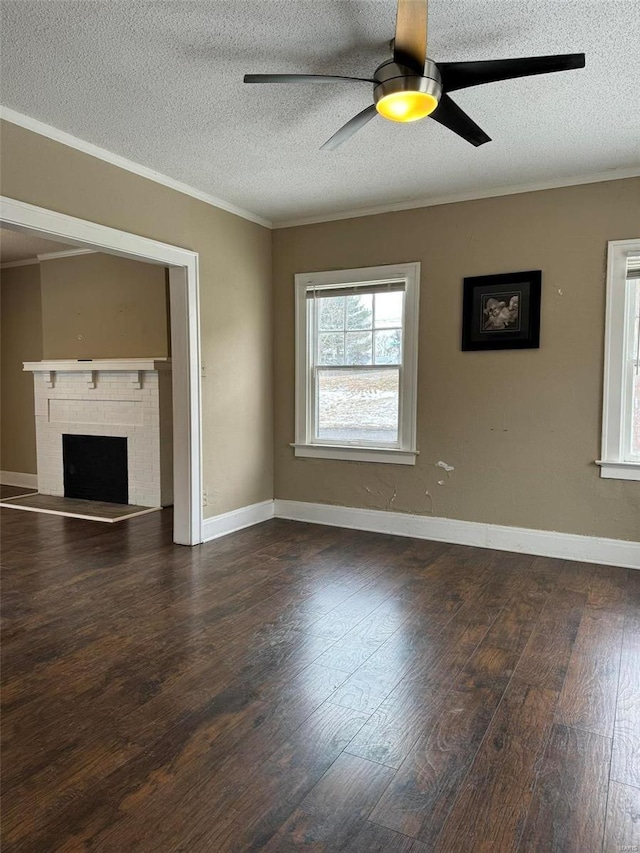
<point x="502" y="311"/>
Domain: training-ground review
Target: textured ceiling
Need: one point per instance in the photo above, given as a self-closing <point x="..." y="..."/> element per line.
<point x="161" y="84"/>
<point x="22" y="246"/>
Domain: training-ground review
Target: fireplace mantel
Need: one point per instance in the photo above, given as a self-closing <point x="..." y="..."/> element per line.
<point x="111" y="364"/>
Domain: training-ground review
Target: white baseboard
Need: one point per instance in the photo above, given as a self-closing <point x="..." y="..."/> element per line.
<point x="15" y="478"/>
<point x="237" y="519"/>
<point x="523" y="540"/>
<point x="545" y="543"/>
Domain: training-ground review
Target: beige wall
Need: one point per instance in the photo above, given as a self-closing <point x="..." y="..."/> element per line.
<point x="21" y="318"/>
<point x="101" y="306"/>
<point x="235" y="295"/>
<point x="521" y="428"/>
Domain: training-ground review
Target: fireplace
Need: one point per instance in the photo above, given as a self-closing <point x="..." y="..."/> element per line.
<point x="95" y="468"/>
<point x="104" y="429"/>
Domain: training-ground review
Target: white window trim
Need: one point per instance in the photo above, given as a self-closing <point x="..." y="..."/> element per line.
<point x="407" y="452"/>
<point x="615" y="463"/>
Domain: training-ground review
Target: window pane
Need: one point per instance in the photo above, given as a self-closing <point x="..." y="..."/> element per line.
<point x="331" y="348"/>
<point x="388" y="347"/>
<point x="358" y="405"/>
<point x="389" y="309"/>
<point x="358" y="348"/>
<point x="359" y="311"/>
<point x="330" y="312"/>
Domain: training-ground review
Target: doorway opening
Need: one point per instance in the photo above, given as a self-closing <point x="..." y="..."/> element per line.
<point x="182" y="266"/>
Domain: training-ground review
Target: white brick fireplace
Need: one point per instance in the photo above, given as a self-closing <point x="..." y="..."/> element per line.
<point x="128" y="398"/>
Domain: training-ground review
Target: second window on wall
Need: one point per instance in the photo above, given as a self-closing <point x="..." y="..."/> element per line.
<point x="357" y="363"/>
<point x="621" y="412"/>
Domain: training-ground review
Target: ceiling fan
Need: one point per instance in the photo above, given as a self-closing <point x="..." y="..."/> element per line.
<point x="410" y="86"/>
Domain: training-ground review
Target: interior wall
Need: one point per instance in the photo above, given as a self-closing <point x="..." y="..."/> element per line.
<point x="521" y="427"/>
<point x="21" y="331"/>
<point x="235" y="295"/>
<point x="102" y="306"/>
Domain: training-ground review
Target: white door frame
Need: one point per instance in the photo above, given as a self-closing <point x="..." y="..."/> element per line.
<point x="185" y="338"/>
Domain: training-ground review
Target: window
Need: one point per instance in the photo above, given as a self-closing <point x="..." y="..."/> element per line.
<point x="356" y="364"/>
<point x="621" y="412"/>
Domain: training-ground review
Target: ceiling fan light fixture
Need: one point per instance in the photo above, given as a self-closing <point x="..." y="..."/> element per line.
<point x="406" y="106"/>
<point x="402" y="95"/>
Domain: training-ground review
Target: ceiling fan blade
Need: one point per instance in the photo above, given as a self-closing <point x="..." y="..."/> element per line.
<point x="449" y="114"/>
<point x="347" y="130"/>
<point x="410" y="42"/>
<point x="461" y="75"/>
<point x="301" y="78"/>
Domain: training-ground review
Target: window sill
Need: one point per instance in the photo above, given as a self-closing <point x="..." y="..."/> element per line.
<point x="619" y="470"/>
<point x="391" y="456"/>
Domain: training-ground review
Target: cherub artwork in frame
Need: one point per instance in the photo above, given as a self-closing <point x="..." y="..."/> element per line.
<point x="502" y="311"/>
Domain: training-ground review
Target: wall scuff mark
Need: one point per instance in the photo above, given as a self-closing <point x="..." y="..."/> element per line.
<point x="430" y="507"/>
<point x="444" y="466"/>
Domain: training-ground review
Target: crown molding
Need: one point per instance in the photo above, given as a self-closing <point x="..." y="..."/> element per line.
<point x="65" y="253"/>
<point x="92" y="150"/>
<point x="27" y="262"/>
<point x="47" y="256"/>
<point x="472" y="195"/>
<point x="53" y="133"/>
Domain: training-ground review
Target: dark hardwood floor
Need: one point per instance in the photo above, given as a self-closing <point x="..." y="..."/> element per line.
<point x="294" y="687"/>
<point x="14" y="491"/>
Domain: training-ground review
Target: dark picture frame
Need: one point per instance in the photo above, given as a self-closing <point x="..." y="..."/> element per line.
<point x="502" y="311"/>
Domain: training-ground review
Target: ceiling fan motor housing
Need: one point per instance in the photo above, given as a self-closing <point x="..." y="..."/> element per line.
<point x="391" y="78"/>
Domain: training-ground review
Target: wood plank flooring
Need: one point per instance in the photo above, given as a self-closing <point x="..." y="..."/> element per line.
<point x="301" y="688"/>
<point x="15" y="491"/>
